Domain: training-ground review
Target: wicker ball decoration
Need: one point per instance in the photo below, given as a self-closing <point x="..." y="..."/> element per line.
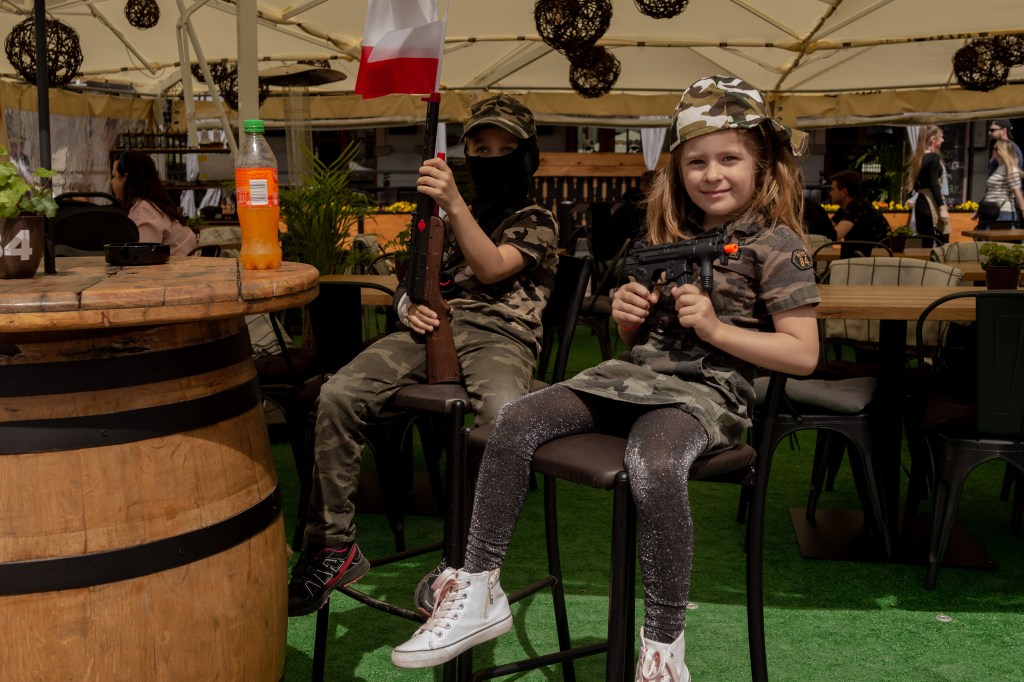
<point x="661" y="9"/>
<point x="977" y="67"/>
<point x="571" y="25"/>
<point x="142" y="13"/>
<point x="592" y="73"/>
<point x="1009" y="49"/>
<point x="63" y="51"/>
<point x="228" y="84"/>
<point x="217" y="70"/>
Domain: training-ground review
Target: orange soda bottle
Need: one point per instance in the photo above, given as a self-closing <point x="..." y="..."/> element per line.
<point x="257" y="199"/>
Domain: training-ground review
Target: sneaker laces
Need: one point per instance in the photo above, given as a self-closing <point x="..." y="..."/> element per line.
<point x="654" y="667"/>
<point x="439" y="583"/>
<point x="449" y="593"/>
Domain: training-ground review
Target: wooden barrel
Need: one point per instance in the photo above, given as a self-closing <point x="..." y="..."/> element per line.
<point x="140" y="526"/>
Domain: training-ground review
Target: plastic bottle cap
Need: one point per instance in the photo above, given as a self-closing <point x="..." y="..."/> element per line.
<point x="253" y="125"/>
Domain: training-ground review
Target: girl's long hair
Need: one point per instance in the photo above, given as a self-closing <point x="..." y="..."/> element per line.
<point x="1005" y="155"/>
<point x="778" y="193"/>
<point x="143" y="182"/>
<point x="924" y="138"/>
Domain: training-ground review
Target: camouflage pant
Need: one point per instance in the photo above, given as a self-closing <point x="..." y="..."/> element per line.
<point x="495" y="370"/>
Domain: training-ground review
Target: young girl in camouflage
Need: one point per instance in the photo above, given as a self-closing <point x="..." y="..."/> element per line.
<point x="685" y="390"/>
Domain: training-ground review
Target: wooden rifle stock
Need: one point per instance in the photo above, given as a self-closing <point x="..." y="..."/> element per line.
<point x="442" y="360"/>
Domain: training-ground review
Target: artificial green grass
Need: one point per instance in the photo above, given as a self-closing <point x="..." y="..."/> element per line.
<point x="825" y="620"/>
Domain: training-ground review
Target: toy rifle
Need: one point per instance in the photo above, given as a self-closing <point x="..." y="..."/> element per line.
<point x="426" y="246"/>
<point x="673" y="263"/>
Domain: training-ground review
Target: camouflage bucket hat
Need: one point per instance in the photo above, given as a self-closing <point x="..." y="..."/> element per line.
<point x="502" y="111"/>
<point x="724" y="102"/>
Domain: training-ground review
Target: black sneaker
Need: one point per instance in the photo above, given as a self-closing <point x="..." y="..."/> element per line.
<point x="315" y="577"/>
<point x="425" y="592"/>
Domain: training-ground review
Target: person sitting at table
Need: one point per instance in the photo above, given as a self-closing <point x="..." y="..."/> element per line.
<point x="816" y="220"/>
<point x="856" y="219"/>
<point x="1002" y="187"/>
<point x="138" y="187"/>
<point x="501" y="254"/>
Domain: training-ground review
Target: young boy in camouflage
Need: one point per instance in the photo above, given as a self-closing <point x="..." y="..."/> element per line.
<point x="685" y="390"/>
<point x="501" y="252"/>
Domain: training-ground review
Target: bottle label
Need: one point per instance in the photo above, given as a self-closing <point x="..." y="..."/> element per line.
<point x="256" y="187"/>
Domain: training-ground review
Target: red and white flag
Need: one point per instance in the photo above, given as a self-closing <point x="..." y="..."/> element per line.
<point x="402" y="46"/>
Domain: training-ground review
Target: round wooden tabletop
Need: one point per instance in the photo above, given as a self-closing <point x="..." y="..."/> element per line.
<point x="87" y="293"/>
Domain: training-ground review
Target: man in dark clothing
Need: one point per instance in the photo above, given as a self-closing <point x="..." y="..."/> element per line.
<point x="856" y="219"/>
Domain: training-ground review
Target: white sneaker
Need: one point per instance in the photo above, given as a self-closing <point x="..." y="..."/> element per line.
<point x="469" y="608"/>
<point x="662" y="662"/>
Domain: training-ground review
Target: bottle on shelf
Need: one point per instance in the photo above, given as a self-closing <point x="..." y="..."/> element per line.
<point x="257" y="200"/>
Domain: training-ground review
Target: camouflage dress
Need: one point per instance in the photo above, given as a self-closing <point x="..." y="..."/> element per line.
<point x="771" y="273"/>
<point x="497" y="331"/>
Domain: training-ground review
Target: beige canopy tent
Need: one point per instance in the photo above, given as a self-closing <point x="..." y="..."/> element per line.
<point x="822" y="62"/>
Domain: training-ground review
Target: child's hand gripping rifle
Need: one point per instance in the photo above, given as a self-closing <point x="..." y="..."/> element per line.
<point x="673" y="263"/>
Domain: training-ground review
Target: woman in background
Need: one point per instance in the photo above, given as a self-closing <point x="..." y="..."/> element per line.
<point x="931" y="215"/>
<point x="1003" y="186"/>
<point x="138" y="187"/>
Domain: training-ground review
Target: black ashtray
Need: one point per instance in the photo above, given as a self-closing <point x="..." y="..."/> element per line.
<point x="137" y="253"/>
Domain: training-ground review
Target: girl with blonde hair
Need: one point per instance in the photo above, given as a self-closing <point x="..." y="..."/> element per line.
<point x="1002" y="188"/>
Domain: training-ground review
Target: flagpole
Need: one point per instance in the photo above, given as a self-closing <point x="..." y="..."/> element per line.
<point x="425" y="205"/>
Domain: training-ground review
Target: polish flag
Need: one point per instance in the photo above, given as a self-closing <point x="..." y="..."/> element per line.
<point x="402" y="46"/>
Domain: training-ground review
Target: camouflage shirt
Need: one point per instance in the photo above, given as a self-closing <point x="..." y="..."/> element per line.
<point x="514" y="305"/>
<point x="772" y="272"/>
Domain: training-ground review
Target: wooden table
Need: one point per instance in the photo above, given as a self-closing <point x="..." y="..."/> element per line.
<point x="139" y="504"/>
<point x="995" y="235"/>
<point x="370" y="296"/>
<point x="915" y="252"/>
<point x="894" y="306"/>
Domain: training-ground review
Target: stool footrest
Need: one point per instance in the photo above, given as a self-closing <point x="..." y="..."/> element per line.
<point x="384" y="606"/>
<point x="532" y="588"/>
<point x="540" y="661"/>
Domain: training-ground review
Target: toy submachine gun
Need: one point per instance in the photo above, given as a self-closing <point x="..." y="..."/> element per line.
<point x="673" y="263"/>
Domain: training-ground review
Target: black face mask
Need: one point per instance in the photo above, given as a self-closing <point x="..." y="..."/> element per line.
<point x="503" y="179"/>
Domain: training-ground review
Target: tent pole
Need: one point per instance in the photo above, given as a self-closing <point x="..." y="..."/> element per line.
<point x="43" y="116"/>
<point x="248" y="57"/>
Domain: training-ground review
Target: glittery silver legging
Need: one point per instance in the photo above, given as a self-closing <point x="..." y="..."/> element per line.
<point x="662" y="443"/>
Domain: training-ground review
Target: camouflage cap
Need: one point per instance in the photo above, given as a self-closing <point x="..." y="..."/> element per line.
<point x="726" y="102"/>
<point x="505" y="112"/>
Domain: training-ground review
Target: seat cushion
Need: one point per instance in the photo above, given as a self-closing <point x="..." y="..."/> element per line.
<point x="436" y="398"/>
<point x="845" y="396"/>
<point x="595" y="459"/>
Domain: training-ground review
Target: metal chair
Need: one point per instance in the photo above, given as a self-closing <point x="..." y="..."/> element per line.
<point x="963" y="434"/>
<point x="82" y="228"/>
<point x="596" y="460"/>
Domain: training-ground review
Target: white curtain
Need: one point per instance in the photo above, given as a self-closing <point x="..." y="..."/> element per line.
<point x="652" y="140"/>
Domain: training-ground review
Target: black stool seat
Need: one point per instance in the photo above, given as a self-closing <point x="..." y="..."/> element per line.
<point x="433" y="398"/>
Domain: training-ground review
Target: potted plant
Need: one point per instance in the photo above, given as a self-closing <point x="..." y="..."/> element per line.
<point x="897" y="238"/>
<point x="322" y="212"/>
<point x="1002" y="263"/>
<point x="24" y="207"/>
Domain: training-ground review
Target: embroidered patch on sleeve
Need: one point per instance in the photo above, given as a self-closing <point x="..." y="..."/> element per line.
<point x="801" y="259"/>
